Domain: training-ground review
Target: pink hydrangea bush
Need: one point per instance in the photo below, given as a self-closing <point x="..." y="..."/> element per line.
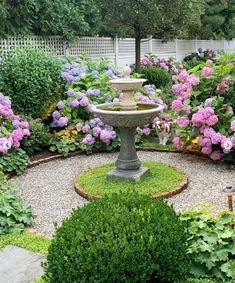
<point x="13" y="129"/>
<point x="204" y="108"/>
<point x="168" y="65"/>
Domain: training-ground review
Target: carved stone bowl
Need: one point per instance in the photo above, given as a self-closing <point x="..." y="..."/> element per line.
<point x="127" y="119"/>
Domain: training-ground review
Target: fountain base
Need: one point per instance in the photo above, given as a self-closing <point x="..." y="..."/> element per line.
<point x="128" y="175"/>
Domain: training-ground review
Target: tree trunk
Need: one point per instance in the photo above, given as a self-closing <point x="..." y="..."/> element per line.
<point x="137" y="53"/>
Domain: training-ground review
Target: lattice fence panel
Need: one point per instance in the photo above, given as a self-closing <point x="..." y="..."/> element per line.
<point x="126" y="46"/>
<point x="217" y="44"/>
<point x="93" y="46"/>
<point x="185" y="46"/>
<point x="145" y="46"/>
<point x="53" y="44"/>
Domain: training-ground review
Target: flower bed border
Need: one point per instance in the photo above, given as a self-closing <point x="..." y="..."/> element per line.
<point x="181" y="187"/>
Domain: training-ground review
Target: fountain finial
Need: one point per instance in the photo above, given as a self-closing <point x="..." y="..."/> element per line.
<point x="126" y="71"/>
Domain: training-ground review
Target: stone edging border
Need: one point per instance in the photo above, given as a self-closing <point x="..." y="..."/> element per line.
<point x="181" y="187"/>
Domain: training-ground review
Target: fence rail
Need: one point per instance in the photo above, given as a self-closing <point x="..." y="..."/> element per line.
<point x="120" y="51"/>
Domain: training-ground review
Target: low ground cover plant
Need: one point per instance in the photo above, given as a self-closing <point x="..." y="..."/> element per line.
<point x="123" y="238"/>
<point x="14" y="214"/>
<point x="211" y="244"/>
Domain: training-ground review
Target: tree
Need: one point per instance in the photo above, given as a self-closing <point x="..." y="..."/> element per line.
<point x="218" y="20"/>
<point x="16" y="17"/>
<point x="68" y="18"/>
<point x="164" y="19"/>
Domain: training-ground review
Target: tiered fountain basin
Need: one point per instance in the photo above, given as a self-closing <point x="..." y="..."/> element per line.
<point x="128" y="165"/>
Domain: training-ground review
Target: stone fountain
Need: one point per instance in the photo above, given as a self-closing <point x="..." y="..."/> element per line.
<point x="127" y="116"/>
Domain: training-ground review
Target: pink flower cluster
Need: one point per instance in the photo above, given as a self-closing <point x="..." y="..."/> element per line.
<point x="13" y="130"/>
<point x="167" y="65"/>
<point x="205" y="116"/>
<point x="183" y="86"/>
<point x="223" y="86"/>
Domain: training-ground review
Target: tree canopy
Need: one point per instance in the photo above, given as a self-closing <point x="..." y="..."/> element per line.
<point x="48" y="17"/>
<point x="218" y="20"/>
<point x="164" y="19"/>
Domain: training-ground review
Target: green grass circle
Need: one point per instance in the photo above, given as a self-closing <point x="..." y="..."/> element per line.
<point x="162" y="178"/>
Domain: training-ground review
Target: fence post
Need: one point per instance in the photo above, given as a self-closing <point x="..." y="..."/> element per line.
<point x="116" y="50"/>
<point x="176" y="49"/>
<point x="196" y="44"/>
<point x="150" y="44"/>
<point x="66" y="49"/>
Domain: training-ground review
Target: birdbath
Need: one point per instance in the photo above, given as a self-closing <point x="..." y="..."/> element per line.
<point x="127" y="116"/>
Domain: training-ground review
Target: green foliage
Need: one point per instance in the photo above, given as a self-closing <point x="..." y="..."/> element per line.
<point x="141" y="18"/>
<point x="15" y="160"/>
<point x="32" y="79"/>
<point x="212" y="245"/>
<point x="123" y="238"/>
<point x="39" y="138"/>
<point x="218" y="20"/>
<point x="196" y="58"/>
<point x="45" y="17"/>
<point x="156" y="76"/>
<point x="162" y="178"/>
<point x="61" y="144"/>
<point x="16" y="17"/>
<point x="27" y="240"/>
<point x="14" y="214"/>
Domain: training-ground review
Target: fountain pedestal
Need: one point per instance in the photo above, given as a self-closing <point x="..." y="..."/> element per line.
<point x="128" y="163"/>
<point x="127" y="116"/>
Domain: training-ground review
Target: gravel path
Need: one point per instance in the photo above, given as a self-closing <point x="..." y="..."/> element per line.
<point x="49" y="187"/>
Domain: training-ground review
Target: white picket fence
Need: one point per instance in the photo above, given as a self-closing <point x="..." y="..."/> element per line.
<point x="120" y="51"/>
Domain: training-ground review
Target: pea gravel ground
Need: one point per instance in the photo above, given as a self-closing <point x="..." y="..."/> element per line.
<point x="49" y="187"/>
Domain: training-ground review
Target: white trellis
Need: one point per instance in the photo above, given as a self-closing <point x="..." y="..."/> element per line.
<point x="120" y="51"/>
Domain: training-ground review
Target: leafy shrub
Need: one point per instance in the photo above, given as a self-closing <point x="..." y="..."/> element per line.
<point x="39" y="138"/>
<point x="168" y="65"/>
<point x="212" y="244"/>
<point x="14" y="214"/>
<point x="195" y="58"/>
<point x="16" y="160"/>
<point x="32" y="79"/>
<point x="156" y="76"/>
<point x="122" y="238"/>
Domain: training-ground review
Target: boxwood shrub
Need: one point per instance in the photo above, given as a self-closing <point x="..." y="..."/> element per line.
<point x="121" y="238"/>
<point x="32" y="78"/>
<point x="156" y="76"/>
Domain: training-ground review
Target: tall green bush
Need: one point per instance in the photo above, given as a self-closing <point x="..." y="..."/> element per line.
<point x="156" y="76"/>
<point x="32" y="78"/>
<point x="123" y="238"/>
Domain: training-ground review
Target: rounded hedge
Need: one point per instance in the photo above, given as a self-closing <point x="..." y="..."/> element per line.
<point x="156" y="75"/>
<point x="32" y="78"/>
<point x="123" y="238"/>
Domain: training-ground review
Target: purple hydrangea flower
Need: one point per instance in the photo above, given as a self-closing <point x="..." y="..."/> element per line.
<point x="70" y="92"/>
<point x="96" y="131"/>
<point x="56" y="114"/>
<point x="63" y="121"/>
<point x="74" y="103"/>
<point x="79" y="126"/>
<point x="84" y="101"/>
<point x="60" y="105"/>
<point x="89" y="140"/>
<point x="79" y="95"/>
<point x="85" y="129"/>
